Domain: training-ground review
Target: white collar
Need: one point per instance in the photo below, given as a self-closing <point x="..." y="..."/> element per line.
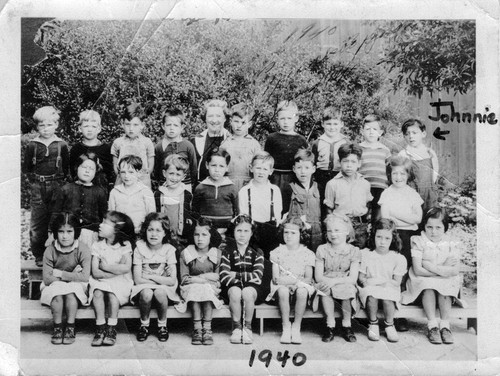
<point x="57" y="246"/>
<point x="190" y="254"/>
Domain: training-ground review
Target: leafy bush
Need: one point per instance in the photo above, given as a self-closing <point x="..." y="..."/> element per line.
<point x="460" y="202"/>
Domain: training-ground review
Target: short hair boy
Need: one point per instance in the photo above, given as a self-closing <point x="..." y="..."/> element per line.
<point x="130" y="196"/>
<point x="89" y="125"/>
<point x="326" y="147"/>
<point x="262" y="201"/>
<point x="46" y="161"/>
<point x="374" y="159"/>
<point x="304" y="195"/>
<point x="174" y="198"/>
<point x="283" y="145"/>
<point x="240" y="145"/>
<point x="348" y="193"/>
<point x="173" y="123"/>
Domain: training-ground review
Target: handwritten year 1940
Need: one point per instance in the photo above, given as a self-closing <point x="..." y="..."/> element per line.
<point x="265" y="356"/>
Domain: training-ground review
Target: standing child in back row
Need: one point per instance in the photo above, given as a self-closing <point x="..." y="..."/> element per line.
<point x="326" y="149"/>
<point x="240" y="145"/>
<point x="373" y="161"/>
<point x="283" y="145"/>
<point x="46" y="161"/>
<point x="133" y="142"/>
<point x="425" y="164"/>
<point x="89" y="126"/>
<point x="173" y="123"/>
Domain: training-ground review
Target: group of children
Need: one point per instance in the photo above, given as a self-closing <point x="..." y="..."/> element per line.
<point x="224" y="210"/>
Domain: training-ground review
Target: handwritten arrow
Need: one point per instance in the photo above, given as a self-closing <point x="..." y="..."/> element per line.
<point x="438" y="133"/>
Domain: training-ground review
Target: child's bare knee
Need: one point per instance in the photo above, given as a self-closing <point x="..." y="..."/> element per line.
<point x="301" y="293"/>
<point x="234" y="293"/>
<point x="249" y="294"/>
<point x="98" y="294"/>
<point x="57" y="299"/>
<point x="146" y="295"/>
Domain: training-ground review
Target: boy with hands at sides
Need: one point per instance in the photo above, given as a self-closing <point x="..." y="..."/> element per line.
<point x="133" y="142"/>
<point x="349" y="193"/>
<point x="46" y="161"/>
<point x="373" y="161"/>
<point x="89" y="126"/>
<point x="240" y="145"/>
<point x="173" y="124"/>
<point x="326" y="147"/>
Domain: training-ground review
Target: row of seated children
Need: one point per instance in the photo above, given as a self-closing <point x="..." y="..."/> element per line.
<point x="48" y="160"/>
<point x="117" y="270"/>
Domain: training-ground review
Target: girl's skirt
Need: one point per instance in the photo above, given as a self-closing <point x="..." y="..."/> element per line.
<point x="444" y="286"/>
<point x="170" y="291"/>
<point x="379" y="292"/>
<point x="202" y="292"/>
<point x="311" y="291"/>
<point x="120" y="286"/>
<point x="64" y="288"/>
<point x="342" y="291"/>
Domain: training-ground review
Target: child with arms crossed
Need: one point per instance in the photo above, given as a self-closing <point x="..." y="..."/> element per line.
<point x="434" y="274"/>
<point x="111" y="280"/>
<point x="66" y="271"/>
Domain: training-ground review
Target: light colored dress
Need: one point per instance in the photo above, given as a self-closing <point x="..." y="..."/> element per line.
<point x="155" y="263"/>
<point x="437" y="253"/>
<point x="192" y="264"/>
<point x="291" y="263"/>
<point x="337" y="263"/>
<point x="120" y="285"/>
<point x="385" y="266"/>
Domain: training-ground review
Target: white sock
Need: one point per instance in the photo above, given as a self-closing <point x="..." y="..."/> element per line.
<point x="444" y="324"/>
<point x="162" y="323"/>
<point x="145" y="322"/>
<point x="100" y="322"/>
<point x="112" y="322"/>
<point x="346" y="323"/>
<point x="330" y="322"/>
<point x="432" y="324"/>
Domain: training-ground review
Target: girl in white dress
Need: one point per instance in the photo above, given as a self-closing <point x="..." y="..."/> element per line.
<point x="380" y="277"/>
<point x="155" y="273"/>
<point x="111" y="280"/>
<point x="293" y="266"/>
<point x="66" y="270"/>
<point x="434" y="274"/>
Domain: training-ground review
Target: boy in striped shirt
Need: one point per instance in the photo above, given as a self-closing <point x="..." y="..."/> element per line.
<point x="373" y="160"/>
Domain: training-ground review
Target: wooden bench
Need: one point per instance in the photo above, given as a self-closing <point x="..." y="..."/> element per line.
<point x="32" y="309"/>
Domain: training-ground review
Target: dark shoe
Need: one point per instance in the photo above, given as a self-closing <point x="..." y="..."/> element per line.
<point x="162" y="333"/>
<point x="197" y="337"/>
<point x="143" y="333"/>
<point x="207" y="338"/>
<point x="328" y="335"/>
<point x="110" y="337"/>
<point x="39" y="261"/>
<point x="57" y="336"/>
<point x="69" y="335"/>
<point x="99" y="336"/>
<point x="434" y="336"/>
<point x="447" y="336"/>
<point x="401" y="324"/>
<point x="348" y="334"/>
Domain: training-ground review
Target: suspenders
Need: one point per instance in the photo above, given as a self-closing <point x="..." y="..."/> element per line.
<point x="271" y="209"/>
<point x="58" y="159"/>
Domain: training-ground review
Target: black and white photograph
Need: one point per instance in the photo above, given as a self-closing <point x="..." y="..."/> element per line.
<point x="239" y="187"/>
